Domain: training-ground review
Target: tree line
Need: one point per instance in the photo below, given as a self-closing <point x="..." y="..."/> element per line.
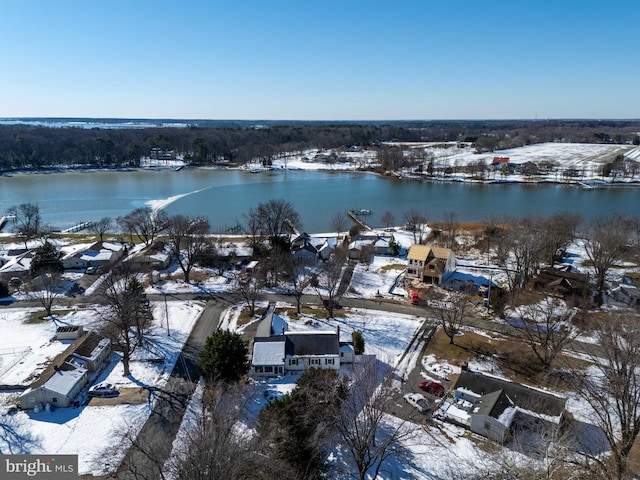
<point x="35" y="147"/>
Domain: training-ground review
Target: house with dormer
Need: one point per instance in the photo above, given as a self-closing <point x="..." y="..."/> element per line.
<point x="428" y="264"/>
<point x="277" y="350"/>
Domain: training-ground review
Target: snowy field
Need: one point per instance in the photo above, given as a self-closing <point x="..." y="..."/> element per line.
<point x="584" y="157"/>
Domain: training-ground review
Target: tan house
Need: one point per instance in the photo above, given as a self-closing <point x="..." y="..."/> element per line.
<point x="432" y="265"/>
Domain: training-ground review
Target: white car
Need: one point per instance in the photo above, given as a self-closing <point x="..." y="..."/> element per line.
<point x="418" y="401"/>
<point x="103" y="390"/>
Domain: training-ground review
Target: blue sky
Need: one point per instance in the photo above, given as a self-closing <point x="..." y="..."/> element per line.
<point x="322" y="60"/>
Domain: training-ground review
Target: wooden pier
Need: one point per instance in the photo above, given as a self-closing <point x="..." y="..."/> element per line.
<point x="354" y="217"/>
<point x="78" y="227"/>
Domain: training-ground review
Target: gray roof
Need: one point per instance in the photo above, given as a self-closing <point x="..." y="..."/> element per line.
<point x="492" y="404"/>
<point x="271" y="324"/>
<point x="524" y="397"/>
<point x="314" y="343"/>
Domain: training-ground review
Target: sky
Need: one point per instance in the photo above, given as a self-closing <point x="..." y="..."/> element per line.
<point x="320" y="60"/>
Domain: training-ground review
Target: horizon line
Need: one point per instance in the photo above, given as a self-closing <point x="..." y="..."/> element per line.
<point x="156" y="119"/>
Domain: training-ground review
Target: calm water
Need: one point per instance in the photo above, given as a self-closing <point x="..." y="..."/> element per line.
<point x="224" y="196"/>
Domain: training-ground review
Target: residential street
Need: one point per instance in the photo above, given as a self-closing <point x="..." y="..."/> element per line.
<point x="152" y="446"/>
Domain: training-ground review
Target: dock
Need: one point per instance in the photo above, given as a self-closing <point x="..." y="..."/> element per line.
<point x="78" y="227"/>
<point x="355" y="218"/>
<point x="361" y="211"/>
<point x="4" y="219"/>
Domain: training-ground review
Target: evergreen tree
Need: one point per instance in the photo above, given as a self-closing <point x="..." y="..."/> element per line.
<point x="225" y="357"/>
<point x="358" y="342"/>
<point x="47" y="259"/>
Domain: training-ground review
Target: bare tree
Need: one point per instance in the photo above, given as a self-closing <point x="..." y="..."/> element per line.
<point x="215" y="447"/>
<point x="274" y="218"/>
<point x="249" y="286"/>
<point x="450" y="313"/>
<point x="520" y="251"/>
<point x="612" y="387"/>
<point x="361" y="425"/>
<point x="559" y="230"/>
<point x="416" y="222"/>
<point x="387" y="219"/>
<point x="451" y="227"/>
<point x="46" y="288"/>
<point x="127" y="316"/>
<point x="188" y="240"/>
<point x="492" y="231"/>
<point x="101" y="227"/>
<point x="339" y="223"/>
<point x="547" y="329"/>
<point x="300" y="273"/>
<point x="605" y="245"/>
<point x="27" y="220"/>
<point x="327" y="282"/>
<point x="144" y="223"/>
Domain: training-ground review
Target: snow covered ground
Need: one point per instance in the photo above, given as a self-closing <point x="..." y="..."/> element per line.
<point x="585" y="158"/>
<point x="94" y="433"/>
<point x="90" y="431"/>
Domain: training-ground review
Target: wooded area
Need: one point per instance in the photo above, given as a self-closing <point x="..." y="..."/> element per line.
<point x="209" y="143"/>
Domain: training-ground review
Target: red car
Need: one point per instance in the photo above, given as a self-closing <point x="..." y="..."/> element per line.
<point x="432" y="387"/>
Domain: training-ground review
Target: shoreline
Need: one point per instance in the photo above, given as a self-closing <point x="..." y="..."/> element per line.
<point x="586" y="184"/>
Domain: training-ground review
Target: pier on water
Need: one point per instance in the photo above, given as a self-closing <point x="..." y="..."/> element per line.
<point x="353" y="216"/>
<point x="4" y="219"/>
<point x="78" y="227"/>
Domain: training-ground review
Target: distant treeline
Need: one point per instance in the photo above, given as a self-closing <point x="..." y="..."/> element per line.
<point x="37" y="147"/>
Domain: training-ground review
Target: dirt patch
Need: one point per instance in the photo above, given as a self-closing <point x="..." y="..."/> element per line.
<point x="128" y="396"/>
<point x="511" y="355"/>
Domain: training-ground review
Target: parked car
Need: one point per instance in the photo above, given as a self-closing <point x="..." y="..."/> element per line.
<point x="91" y="270"/>
<point x="432" y="387"/>
<point x="103" y="390"/>
<point x="418" y="401"/>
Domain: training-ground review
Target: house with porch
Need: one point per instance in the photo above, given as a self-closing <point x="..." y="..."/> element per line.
<point x="428" y="264"/>
<point x="277" y="350"/>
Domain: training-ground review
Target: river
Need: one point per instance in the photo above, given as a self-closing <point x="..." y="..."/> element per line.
<point x="225" y="196"/>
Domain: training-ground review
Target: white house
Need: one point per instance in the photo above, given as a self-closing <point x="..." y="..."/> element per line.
<point x="491" y="406"/>
<point x="65" y="377"/>
<point x="15" y="263"/>
<point x="96" y="255"/>
<point x="277" y="351"/>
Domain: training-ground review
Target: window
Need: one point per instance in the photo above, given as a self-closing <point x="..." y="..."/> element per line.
<point x="293" y="361"/>
<point x="329" y="361"/>
<point x="487" y="426"/>
<point x="268" y="369"/>
<point x="32" y="400"/>
<point x="54" y="400"/>
<point x="314" y="361"/>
